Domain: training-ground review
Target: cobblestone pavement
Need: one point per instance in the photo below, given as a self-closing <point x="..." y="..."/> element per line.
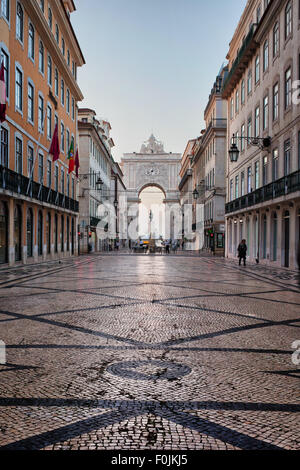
<point x="149" y="352"/>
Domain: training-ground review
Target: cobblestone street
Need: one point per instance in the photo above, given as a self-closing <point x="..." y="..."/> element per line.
<point x="128" y="351"/>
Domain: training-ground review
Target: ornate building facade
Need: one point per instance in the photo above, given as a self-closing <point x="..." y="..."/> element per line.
<point x="38" y="203"/>
<point x="263" y="185"/>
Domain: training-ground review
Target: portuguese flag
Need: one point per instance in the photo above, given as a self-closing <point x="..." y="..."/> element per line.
<point x="71" y="157"/>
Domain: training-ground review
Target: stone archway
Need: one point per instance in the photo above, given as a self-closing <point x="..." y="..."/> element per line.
<point x="152" y="166"/>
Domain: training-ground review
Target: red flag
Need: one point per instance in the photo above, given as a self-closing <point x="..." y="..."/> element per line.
<point x="71" y="164"/>
<point x="2" y="94"/>
<point x="54" y="148"/>
<point x="77" y="163"/>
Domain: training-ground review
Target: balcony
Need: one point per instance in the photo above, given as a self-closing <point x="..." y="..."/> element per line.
<point x="240" y="64"/>
<point x="20" y="184"/>
<point x="282" y="187"/>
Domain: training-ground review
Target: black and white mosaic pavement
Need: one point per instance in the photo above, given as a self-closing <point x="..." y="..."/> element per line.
<point x="149" y="352"/>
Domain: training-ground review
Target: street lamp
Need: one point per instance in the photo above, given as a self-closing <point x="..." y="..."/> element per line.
<point x="195" y="194"/>
<point x="261" y="142"/>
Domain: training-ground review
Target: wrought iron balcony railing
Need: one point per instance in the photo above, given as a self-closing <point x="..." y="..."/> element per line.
<point x="239" y="65"/>
<point x="20" y="184"/>
<point x="281" y="187"/>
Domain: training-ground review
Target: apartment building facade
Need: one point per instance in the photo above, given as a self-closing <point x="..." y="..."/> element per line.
<point x="208" y="167"/>
<point x="38" y="204"/>
<point x="263" y="185"/>
<point x="97" y="169"/>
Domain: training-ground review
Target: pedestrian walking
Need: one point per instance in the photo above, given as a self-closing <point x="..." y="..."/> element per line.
<point x="174" y="246"/>
<point x="167" y="245"/>
<point x="242" y="252"/>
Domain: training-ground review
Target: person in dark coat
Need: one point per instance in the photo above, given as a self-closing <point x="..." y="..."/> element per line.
<point x="242" y="252"/>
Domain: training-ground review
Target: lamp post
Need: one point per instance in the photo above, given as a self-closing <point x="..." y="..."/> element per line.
<point x="261" y="142"/>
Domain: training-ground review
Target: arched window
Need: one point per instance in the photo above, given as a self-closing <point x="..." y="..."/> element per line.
<point x="41" y="57"/>
<point x="276" y="39"/>
<point x="62" y="232"/>
<point x="68" y="233"/>
<point x="29" y="235"/>
<point x="264" y="251"/>
<point x="40" y="233"/>
<point x="288" y="20"/>
<point x="55" y="233"/>
<point x="274" y="236"/>
<point x="18" y="233"/>
<point x="31" y="41"/>
<point x="20" y="22"/>
<point x="73" y="237"/>
<point x="50" y="18"/>
<point x="266" y="56"/>
<point x="48" y="233"/>
<point x="3" y="233"/>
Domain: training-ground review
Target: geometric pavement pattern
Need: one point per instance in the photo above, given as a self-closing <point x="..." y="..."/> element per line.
<point x="149" y="352"/>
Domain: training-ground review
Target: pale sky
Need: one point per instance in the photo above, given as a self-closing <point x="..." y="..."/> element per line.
<point x="150" y="65"/>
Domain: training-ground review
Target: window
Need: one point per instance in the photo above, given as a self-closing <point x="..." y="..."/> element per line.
<point x="257" y="70"/>
<point x="243" y="91"/>
<point x="256" y="174"/>
<point x="258" y="14"/>
<point x="68" y="185"/>
<point x="275" y="101"/>
<point x="30" y="103"/>
<point x="266" y="113"/>
<point x="249" y="82"/>
<point x="68" y="101"/>
<point x="49" y="122"/>
<point x="68" y="58"/>
<point x="231" y="190"/>
<point x="62" y="136"/>
<point x="242" y="138"/>
<point x="4" y="147"/>
<point x="41" y="114"/>
<point x="231" y="108"/>
<point x="50" y="18"/>
<point x="249" y="175"/>
<point x="29" y="160"/>
<point x="265" y="170"/>
<point x="287" y="157"/>
<point x="20" y="23"/>
<point x="19" y="155"/>
<point x="73" y="109"/>
<point x="236" y="186"/>
<point x="31" y="41"/>
<point x="256" y="124"/>
<point x="266" y="56"/>
<point x="63" y="47"/>
<point x="5" y="9"/>
<point x="5" y="61"/>
<point x="242" y="183"/>
<point x="42" y="5"/>
<point x="276" y="39"/>
<point x="56" y="178"/>
<point x="19" y="90"/>
<point x="73" y="189"/>
<point x="49" y="173"/>
<point x="275" y="160"/>
<point x="57" y="33"/>
<point x="62" y="92"/>
<point x="288" y="88"/>
<point x="56" y="81"/>
<point x="49" y="71"/>
<point x="249" y="128"/>
<point x="288" y="20"/>
<point x="237" y="98"/>
<point x="41" y="168"/>
<point x="41" y="57"/>
<point x="62" y="176"/>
